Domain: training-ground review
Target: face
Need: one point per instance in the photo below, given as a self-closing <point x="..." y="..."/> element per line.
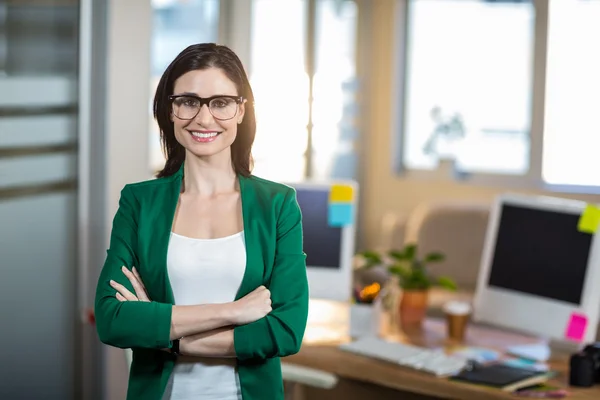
<point x="206" y="136"/>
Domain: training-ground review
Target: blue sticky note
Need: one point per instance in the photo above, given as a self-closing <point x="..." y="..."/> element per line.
<point x="340" y="214"/>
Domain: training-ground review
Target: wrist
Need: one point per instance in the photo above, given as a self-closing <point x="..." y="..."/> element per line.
<point x="176" y="348"/>
<point x="231" y="313"/>
<point x="183" y="342"/>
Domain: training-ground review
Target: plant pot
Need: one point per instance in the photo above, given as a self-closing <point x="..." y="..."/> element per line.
<point x="412" y="308"/>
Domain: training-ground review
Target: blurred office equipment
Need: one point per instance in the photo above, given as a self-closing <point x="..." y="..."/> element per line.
<point x="539" y="272"/>
<point x="363" y="376"/>
<point x="39" y="112"/>
<point x="329" y="239"/>
<point x="434" y="362"/>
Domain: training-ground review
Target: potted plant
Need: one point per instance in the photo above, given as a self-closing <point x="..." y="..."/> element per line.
<point x="414" y="278"/>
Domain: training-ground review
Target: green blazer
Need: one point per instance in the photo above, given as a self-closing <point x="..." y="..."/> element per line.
<point x="275" y="258"/>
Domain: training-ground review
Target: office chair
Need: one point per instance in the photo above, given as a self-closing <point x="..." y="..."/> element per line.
<point x="294" y="377"/>
<point x="455" y="228"/>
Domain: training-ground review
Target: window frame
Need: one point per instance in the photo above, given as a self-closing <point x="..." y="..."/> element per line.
<point x="533" y="178"/>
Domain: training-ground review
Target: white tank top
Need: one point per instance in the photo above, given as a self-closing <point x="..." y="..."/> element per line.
<point x="204" y="271"/>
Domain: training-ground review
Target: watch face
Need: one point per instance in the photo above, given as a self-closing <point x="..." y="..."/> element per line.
<point x="175" y="347"/>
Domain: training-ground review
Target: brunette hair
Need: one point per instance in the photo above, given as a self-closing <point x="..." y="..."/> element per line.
<point x="199" y="57"/>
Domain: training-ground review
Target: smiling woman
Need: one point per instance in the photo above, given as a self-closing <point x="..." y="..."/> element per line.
<point x="207" y="298"/>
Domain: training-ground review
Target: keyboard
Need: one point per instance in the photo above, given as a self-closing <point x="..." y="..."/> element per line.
<point x="434" y="362"/>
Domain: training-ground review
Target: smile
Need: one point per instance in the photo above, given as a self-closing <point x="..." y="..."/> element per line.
<point x="204" y="136"/>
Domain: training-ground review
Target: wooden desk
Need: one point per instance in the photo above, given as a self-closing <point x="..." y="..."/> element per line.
<point x="328" y="327"/>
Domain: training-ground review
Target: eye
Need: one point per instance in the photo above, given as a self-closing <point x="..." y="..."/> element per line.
<point x="186" y="102"/>
<point x="189" y="102"/>
<point x="220" y="102"/>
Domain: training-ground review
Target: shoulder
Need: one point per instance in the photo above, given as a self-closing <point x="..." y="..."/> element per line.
<point x="269" y="189"/>
<point x="270" y="196"/>
<point x="149" y="188"/>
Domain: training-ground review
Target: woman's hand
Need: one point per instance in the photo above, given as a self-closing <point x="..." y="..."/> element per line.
<point x="252" y="306"/>
<point x="136" y="281"/>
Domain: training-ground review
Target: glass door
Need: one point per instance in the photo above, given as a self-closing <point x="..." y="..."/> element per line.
<point x="38" y="197"/>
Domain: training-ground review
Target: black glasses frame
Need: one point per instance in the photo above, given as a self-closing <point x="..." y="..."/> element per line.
<point x="206" y="100"/>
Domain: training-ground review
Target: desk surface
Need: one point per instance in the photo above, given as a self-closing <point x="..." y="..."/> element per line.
<point x="328" y="327"/>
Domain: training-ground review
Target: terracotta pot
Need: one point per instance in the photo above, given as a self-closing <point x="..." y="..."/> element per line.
<point x="412" y="307"/>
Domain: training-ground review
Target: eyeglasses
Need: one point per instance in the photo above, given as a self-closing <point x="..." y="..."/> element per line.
<point x="221" y="107"/>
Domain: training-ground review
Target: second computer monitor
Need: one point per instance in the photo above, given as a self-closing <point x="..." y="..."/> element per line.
<point x="328" y="242"/>
<point x="540" y="274"/>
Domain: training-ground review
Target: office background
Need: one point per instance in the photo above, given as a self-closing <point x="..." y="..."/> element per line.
<point x="90" y="66"/>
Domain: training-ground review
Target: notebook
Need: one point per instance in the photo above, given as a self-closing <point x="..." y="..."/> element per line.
<point x="503" y="377"/>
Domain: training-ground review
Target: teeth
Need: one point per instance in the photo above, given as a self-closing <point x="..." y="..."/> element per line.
<point x="205" y="135"/>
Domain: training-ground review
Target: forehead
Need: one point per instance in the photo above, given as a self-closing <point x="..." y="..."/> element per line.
<point x="205" y="83"/>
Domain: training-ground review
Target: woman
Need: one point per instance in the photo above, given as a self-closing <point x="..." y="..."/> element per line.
<point x="205" y="277"/>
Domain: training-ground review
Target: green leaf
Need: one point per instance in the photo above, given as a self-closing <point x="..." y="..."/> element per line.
<point x="397" y="255"/>
<point x="399" y="270"/>
<point x="446" y="283"/>
<point x="372" y="258"/>
<point x="410" y="251"/>
<point x="434" y="257"/>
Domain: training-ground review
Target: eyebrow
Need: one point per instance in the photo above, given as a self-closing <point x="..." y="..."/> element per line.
<point x="196" y="95"/>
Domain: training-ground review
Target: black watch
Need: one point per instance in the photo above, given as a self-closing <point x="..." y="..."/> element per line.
<point x="175" y="348"/>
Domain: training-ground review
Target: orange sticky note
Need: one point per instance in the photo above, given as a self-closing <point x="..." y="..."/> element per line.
<point x="341" y="194"/>
<point x="590" y="219"/>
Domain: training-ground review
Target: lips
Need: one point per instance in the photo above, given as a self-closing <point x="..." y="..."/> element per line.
<point x="204" y="136"/>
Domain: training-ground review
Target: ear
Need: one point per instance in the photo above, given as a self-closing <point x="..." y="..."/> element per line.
<point x="241" y="112"/>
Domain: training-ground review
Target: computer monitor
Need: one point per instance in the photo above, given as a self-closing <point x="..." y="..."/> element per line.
<point x="329" y="247"/>
<point x="539" y="274"/>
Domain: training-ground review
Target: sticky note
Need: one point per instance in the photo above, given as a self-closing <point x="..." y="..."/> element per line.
<point x="340" y="214"/>
<point x="576" y="327"/>
<point x="341" y="194"/>
<point x="590" y="219"/>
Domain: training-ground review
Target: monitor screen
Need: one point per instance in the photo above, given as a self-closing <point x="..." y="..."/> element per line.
<point x="322" y="243"/>
<point x="541" y="253"/>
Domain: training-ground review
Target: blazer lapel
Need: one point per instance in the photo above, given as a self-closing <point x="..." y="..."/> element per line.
<point x="253" y="276"/>
<point x="163" y="212"/>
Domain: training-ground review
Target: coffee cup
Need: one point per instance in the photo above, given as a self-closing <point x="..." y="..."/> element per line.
<point x="457" y="318"/>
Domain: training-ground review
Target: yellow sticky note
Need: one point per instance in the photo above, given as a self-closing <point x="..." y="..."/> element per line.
<point x="341" y="193"/>
<point x="590" y="219"/>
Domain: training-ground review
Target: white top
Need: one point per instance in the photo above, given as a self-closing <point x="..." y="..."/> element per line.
<point x="203" y="271"/>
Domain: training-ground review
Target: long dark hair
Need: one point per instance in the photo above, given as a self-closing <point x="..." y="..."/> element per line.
<point x="198" y="57"/>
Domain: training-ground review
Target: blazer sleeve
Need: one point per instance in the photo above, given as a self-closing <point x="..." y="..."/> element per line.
<point x="130" y="323"/>
<point x="280" y="333"/>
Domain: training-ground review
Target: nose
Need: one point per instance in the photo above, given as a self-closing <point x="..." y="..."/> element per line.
<point x="204" y="116"/>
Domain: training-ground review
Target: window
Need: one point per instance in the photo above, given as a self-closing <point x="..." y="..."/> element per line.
<point x="280" y="83"/>
<point x="177" y="24"/>
<point x="335" y="110"/>
<point x="503" y="87"/>
<point x="469" y="84"/>
<point x="572" y="128"/>
<point x="302" y="133"/>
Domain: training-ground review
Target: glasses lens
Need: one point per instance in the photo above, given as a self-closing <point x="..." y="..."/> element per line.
<point x="186" y="107"/>
<point x="223" y="108"/>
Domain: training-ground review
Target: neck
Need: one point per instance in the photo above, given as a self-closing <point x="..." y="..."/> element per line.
<point x="208" y="176"/>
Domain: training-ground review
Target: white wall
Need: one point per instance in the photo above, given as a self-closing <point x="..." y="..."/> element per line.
<point x="129" y="28"/>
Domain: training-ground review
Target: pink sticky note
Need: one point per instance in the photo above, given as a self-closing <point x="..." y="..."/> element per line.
<point x="576" y="327"/>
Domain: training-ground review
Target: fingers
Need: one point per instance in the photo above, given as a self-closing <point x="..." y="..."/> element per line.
<point x="120" y="298"/>
<point x="122" y="290"/>
<point x="140" y="291"/>
<point x="139" y="279"/>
